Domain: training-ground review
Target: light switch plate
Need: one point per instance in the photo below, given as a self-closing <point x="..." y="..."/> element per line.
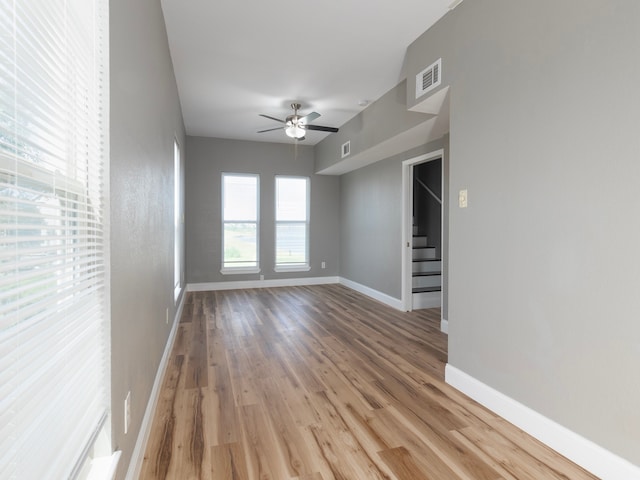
<point x="462" y="199"/>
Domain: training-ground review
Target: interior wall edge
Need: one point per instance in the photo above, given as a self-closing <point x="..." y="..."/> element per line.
<point x="585" y="453"/>
<point x="375" y="294"/>
<point x="135" y="465"/>
<point x="269" y="283"/>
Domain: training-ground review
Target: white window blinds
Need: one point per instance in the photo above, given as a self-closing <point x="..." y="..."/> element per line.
<point x="292" y="222"/>
<point x="54" y="338"/>
<point x="240" y="218"/>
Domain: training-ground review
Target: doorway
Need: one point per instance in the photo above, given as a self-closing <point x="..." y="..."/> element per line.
<point x="424" y="249"/>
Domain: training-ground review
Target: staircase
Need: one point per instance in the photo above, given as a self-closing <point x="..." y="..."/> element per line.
<point x="426" y="280"/>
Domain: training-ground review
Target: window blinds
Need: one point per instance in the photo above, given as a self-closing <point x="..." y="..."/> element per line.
<point x="54" y="338"/>
<point x="240" y="222"/>
<point x="292" y="221"/>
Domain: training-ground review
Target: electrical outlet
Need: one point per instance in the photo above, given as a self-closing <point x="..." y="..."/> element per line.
<point x="167" y="316"/>
<point x="323" y="265"/>
<point x="127" y="412"/>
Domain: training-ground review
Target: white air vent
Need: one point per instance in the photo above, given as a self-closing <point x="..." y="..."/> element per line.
<point x="429" y="78"/>
<point x="346" y="149"/>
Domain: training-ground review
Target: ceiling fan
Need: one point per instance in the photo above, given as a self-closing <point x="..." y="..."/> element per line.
<point x="295" y="126"/>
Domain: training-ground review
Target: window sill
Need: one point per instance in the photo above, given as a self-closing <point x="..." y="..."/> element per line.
<point x="239" y="270"/>
<point x="292" y="268"/>
<point x="104" y="468"/>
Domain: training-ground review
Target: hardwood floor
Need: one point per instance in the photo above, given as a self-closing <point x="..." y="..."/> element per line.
<point x="322" y="383"/>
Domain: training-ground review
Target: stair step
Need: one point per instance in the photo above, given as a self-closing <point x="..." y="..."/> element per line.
<point x="424" y="299"/>
<point x="419" y="241"/>
<point x="426" y="274"/>
<point x="423" y="253"/>
<point x="419" y="281"/>
<point x="426" y="289"/>
<point x="426" y="265"/>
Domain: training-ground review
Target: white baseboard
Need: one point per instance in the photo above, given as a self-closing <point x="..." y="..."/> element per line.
<point x="293" y="282"/>
<point x="444" y="326"/>
<point x="135" y="465"/>
<point x="597" y="460"/>
<point x="278" y="282"/>
<point x="375" y="294"/>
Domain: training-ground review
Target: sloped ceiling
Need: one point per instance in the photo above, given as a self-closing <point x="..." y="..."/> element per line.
<point x="235" y="59"/>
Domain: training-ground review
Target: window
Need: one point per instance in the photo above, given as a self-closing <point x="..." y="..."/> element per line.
<point x="240" y="223"/>
<point x="54" y="331"/>
<point x="292" y="223"/>
<point x="177" y="222"/>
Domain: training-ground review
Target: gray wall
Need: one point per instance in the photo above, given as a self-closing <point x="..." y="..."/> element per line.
<point x="544" y="263"/>
<point x="384" y="119"/>
<point x="544" y="119"/>
<point x="208" y="159"/>
<point x="371" y="223"/>
<point x="145" y="117"/>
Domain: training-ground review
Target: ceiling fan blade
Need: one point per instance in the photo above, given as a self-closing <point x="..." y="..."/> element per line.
<point x="308" y="118"/>
<point x="270" y="129"/>
<point x="321" y="128"/>
<point x="271" y="118"/>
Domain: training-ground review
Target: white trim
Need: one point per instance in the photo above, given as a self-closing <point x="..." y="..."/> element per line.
<point x="176" y="294"/>
<point x="291" y="268"/>
<point x="239" y="270"/>
<point x="135" y="465"/>
<point x="375" y="294"/>
<point x="594" y="458"/>
<point x="178" y="223"/>
<point x="284" y="267"/>
<point x="407" y="235"/>
<point x="225" y="270"/>
<point x="280" y="282"/>
<point x="104" y="468"/>
<point x="407" y="221"/>
<point x="294" y="282"/>
<point x="444" y="326"/>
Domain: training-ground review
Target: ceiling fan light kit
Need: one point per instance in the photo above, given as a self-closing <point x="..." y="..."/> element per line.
<point x="296" y="126"/>
<point x="295" y="131"/>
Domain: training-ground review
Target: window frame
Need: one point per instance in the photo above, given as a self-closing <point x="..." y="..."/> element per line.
<point x="178" y="221"/>
<point x="293" y="267"/>
<point x="236" y="270"/>
<point x="54" y="183"/>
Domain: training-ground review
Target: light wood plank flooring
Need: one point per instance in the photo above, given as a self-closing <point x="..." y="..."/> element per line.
<point x="322" y="383"/>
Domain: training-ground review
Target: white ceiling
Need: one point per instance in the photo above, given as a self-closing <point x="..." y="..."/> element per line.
<point x="234" y="59"/>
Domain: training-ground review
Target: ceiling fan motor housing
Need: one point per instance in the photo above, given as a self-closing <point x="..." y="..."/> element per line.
<point x="297" y="125"/>
<point x="292" y="120"/>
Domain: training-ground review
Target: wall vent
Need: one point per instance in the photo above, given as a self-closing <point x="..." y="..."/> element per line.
<point x="346" y="149"/>
<point x="429" y="78"/>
